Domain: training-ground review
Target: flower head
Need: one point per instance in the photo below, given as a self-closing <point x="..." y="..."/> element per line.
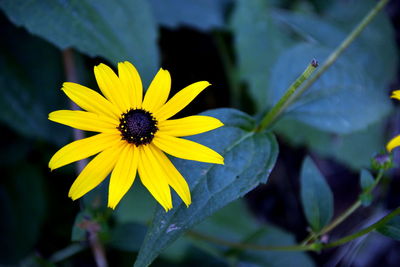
<point x="394" y="142"/>
<point x="133" y="134"/>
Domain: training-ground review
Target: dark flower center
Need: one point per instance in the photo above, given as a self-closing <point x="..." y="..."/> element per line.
<point x="137" y="126"/>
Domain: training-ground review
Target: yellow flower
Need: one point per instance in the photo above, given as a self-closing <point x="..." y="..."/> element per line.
<point x="395" y="142"/>
<point x="132" y="134"/>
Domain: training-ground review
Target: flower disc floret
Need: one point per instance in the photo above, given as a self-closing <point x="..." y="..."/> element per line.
<point x="137" y="126"/>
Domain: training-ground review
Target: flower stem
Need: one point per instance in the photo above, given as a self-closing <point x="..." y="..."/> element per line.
<point x="67" y="252"/>
<point x="72" y="76"/>
<point x="364" y="231"/>
<point x="247" y="246"/>
<point x="283" y="103"/>
<point x="345" y="214"/>
<point x="302" y="247"/>
<point x="269" y="118"/>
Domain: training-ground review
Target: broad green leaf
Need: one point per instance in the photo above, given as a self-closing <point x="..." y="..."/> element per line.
<point x="30" y="75"/>
<point x="316" y="196"/>
<point x="203" y="15"/>
<point x="355" y="149"/>
<point x="311" y="27"/>
<point x="249" y="159"/>
<point x="227" y="225"/>
<point x="343" y="100"/>
<point x="391" y="228"/>
<point x="23" y="213"/>
<point x="258" y="43"/>
<point x="116" y="30"/>
<point x="376" y="43"/>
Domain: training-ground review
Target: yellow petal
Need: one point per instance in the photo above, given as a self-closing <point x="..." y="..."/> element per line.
<point x="395" y="142"/>
<point x="96" y="171"/>
<point x="180" y="100"/>
<point x="90" y="100"/>
<point x="130" y="80"/>
<point x="153" y="178"/>
<point x="186" y="149"/>
<point x="111" y="87"/>
<point x="396" y="94"/>
<point x="82" y="149"/>
<point x="189" y="125"/>
<point x="158" y="91"/>
<point x="123" y="175"/>
<point x="175" y="179"/>
<point x="86" y="121"/>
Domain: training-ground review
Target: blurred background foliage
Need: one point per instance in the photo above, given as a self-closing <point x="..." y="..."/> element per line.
<point x="250" y="50"/>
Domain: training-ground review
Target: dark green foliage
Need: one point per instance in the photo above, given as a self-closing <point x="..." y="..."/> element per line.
<point x="116" y="30"/>
<point x="391" y="228"/>
<point x="316" y="196"/>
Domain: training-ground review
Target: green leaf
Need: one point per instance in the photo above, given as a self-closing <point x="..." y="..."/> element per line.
<point x="366" y="199"/>
<point x="366" y="183"/>
<point x="23" y="212"/>
<point x="366" y="180"/>
<point x="203" y="15"/>
<point x="258" y="43"/>
<point x="30" y="83"/>
<point x="375" y="44"/>
<point x="334" y="101"/>
<point x="355" y="149"/>
<point x="116" y="30"/>
<point x="249" y="159"/>
<point x="379" y="38"/>
<point x="316" y="196"/>
<point x="227" y="225"/>
<point x="391" y="228"/>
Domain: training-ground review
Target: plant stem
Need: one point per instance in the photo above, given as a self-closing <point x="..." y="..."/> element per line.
<point x="67" y="252"/>
<point x="345" y="214"/>
<point x="364" y="231"/>
<point x="72" y="76"/>
<point x="328" y="62"/>
<point x="283" y="103"/>
<point x="247" y="246"/>
<point x="301" y="247"/>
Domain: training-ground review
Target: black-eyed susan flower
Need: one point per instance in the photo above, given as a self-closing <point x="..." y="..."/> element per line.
<point x="395" y="142"/>
<point x="133" y="134"/>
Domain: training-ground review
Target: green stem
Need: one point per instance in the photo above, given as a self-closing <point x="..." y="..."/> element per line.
<point x="328" y="62"/>
<point x="364" y="231"/>
<point x="301" y="247"/>
<point x="345" y="214"/>
<point x="282" y="104"/>
<point x="247" y="246"/>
